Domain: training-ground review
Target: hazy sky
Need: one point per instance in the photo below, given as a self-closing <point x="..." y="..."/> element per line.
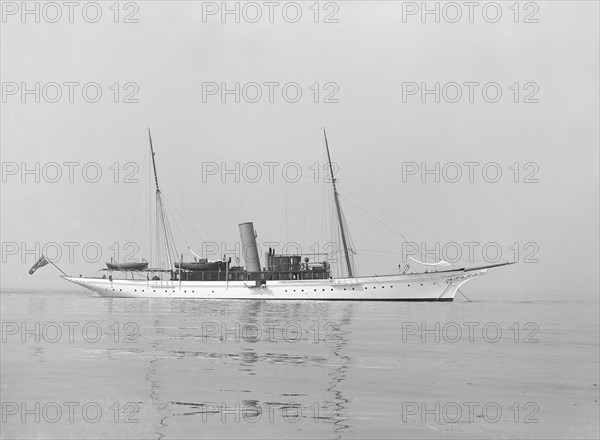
<point x="368" y="62"/>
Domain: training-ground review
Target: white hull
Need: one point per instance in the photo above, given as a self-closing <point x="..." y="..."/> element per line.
<point x="432" y="286"/>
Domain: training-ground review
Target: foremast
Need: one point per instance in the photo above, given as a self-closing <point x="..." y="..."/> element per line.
<point x="338" y="209"/>
<point x="165" y="243"/>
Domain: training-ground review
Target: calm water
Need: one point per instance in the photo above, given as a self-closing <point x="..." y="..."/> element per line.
<point x="89" y="367"/>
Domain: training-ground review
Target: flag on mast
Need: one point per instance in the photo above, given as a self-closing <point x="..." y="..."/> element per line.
<point x="40" y="263"/>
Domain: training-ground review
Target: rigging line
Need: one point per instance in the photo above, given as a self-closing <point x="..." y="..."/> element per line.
<point x="373" y="251"/>
<point x="172" y="248"/>
<point x="382" y="225"/>
<point x="169" y="244"/>
<point x="398" y="217"/>
<point x="349" y="200"/>
<point x="149" y="225"/>
<point x="172" y="242"/>
<point x="350" y="248"/>
<point x="433" y="216"/>
<point x="170" y="206"/>
<point x="368" y="215"/>
<point x="174" y="208"/>
<point x="168" y="229"/>
<point x="190" y="150"/>
<point x="159" y="231"/>
<point x="345" y="225"/>
<point x="335" y="238"/>
<point x="322" y="212"/>
<point x="364" y="254"/>
<point x="324" y="207"/>
<point x="174" y="180"/>
<point x="342" y="252"/>
<point x="332" y="233"/>
<point x="458" y="290"/>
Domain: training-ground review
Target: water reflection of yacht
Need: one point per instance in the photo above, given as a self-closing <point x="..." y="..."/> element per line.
<point x="226" y="380"/>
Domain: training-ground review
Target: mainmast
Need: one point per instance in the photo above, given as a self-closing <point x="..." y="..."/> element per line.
<point x="338" y="210"/>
